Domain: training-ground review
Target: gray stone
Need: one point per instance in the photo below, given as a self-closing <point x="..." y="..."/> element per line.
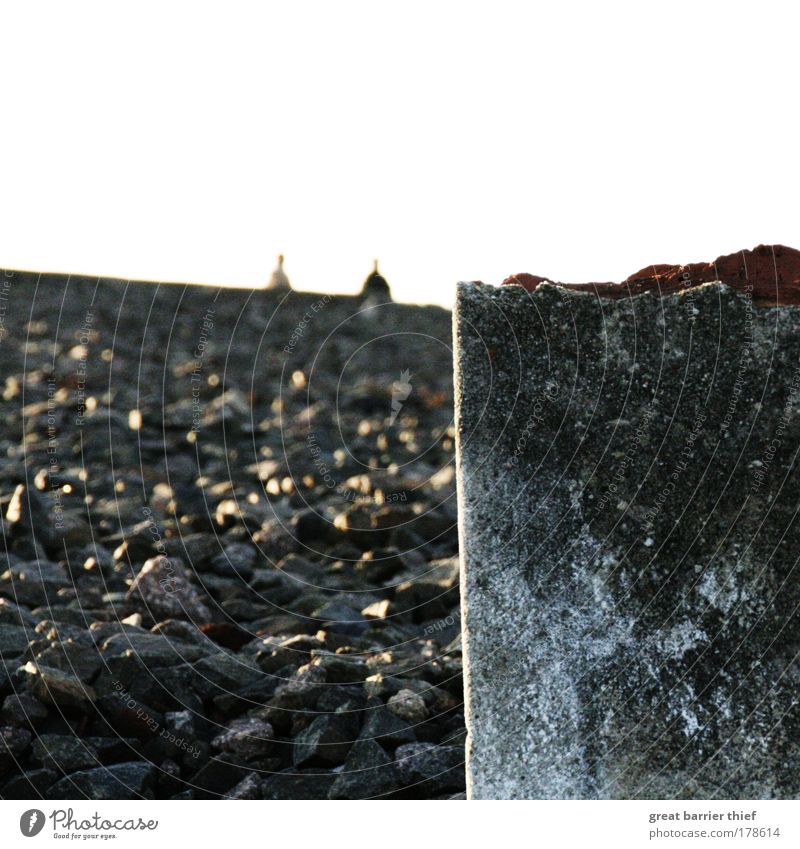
<point x="298" y="784"/>
<point x="385" y="727"/>
<point x="157" y="649"/>
<point x="408" y="705"/>
<point x="340" y="668"/>
<point x="220" y="775"/>
<point x="247" y="736"/>
<point x="248" y="788"/>
<point x="430" y="769"/>
<point x="64" y="753"/>
<point x="180" y="723"/>
<point x="32" y="513"/>
<point x="78" y="657"/>
<point x="326" y="740"/>
<point x="13" y="614"/>
<point x="54" y="687"/>
<point x="368" y="773"/>
<point x="163" y="586"/>
<point x="225" y="672"/>
<point x="34" y="583"/>
<point x="14" y="741"/>
<point x="23" y="709"/>
<point x="13" y="640"/>
<point x="628" y="490"/>
<point x="132" y="780"/>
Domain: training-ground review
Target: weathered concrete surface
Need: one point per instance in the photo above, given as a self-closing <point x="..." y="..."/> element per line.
<point x="629" y="496"/>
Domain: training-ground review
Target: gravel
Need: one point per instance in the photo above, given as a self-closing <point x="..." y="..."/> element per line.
<point x="231" y="567"/>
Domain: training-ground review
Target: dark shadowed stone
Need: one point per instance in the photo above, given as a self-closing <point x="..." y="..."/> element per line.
<point x="164" y="589"/>
<point x="340" y="618"/>
<point x="13" y="614"/>
<point x="368" y="772"/>
<point x="122" y="781"/>
<point x="292" y="651"/>
<point x="32" y="784"/>
<point x="129" y="717"/>
<point x="298" y="784"/>
<point x="80" y="658"/>
<point x="31" y="513"/>
<point x="326" y="741"/>
<point x="223" y="673"/>
<point x="54" y="687"/>
<point x="114" y="749"/>
<point x="14" y="742"/>
<point x="385" y="727"/>
<point x="13" y="641"/>
<point x="629" y="494"/>
<point x="5" y="680"/>
<point x="23" y="709"/>
<point x="251" y="695"/>
<point x="34" y="583"/>
<point x="309" y="526"/>
<point x="63" y="753"/>
<point x="340" y="668"/>
<point x="248" y="788"/>
<point x="428" y="769"/>
<point x="157" y="649"/>
<point x="220" y="774"/>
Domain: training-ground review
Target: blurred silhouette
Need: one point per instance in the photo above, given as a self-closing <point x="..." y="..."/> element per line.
<point x="279" y="282"/>
<point x="375" y="289"/>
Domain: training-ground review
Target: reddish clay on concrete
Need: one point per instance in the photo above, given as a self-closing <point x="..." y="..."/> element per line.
<point x="770" y="273"/>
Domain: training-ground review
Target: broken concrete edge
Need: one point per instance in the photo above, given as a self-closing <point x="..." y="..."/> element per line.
<point x="770" y="274"/>
<point x="548" y="289"/>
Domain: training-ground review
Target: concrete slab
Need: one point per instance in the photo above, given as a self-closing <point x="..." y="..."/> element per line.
<point x="629" y="534"/>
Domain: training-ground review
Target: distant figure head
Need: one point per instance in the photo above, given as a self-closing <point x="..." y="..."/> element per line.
<point x="279" y="281"/>
<point x="375" y="289"/>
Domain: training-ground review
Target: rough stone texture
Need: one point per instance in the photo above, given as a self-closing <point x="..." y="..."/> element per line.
<point x="164" y="587"/>
<point x="629" y="496"/>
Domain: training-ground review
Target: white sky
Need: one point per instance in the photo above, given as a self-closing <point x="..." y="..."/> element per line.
<point x="453" y="141"/>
